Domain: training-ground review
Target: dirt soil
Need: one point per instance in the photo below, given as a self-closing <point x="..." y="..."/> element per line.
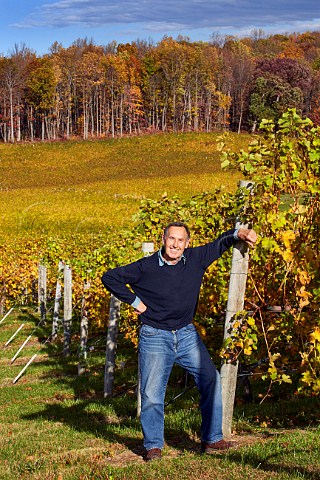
<point x="123" y="457"/>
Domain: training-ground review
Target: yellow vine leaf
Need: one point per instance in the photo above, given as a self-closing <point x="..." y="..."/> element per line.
<point x="287" y="255"/>
<point x="251" y="322"/>
<point x="285" y="378"/>
<point x="287" y="236"/>
<point x="315" y="336"/>
<point x="304" y="296"/>
<point x="307" y="377"/>
<point x="303" y="277"/>
<point x="274" y="357"/>
<point x="303" y="293"/>
<point x="303" y="302"/>
<point x="273" y="372"/>
<point x="201" y="329"/>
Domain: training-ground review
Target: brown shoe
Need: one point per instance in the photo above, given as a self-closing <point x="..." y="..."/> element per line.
<point x="152" y="454"/>
<point x="219" y="446"/>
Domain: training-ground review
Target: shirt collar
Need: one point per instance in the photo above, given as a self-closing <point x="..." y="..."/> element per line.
<point x="163" y="262"/>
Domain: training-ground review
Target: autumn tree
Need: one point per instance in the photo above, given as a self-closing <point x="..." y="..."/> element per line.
<point x="239" y="62"/>
<point x="12" y="81"/>
<point x="132" y="95"/>
<point x="175" y="84"/>
<point x="151" y="89"/>
<point x="172" y="57"/>
<point x="280" y="83"/>
<point x="114" y="77"/>
<point x="8" y="85"/>
<point x="90" y="79"/>
<point x="200" y="92"/>
<point x="271" y="97"/>
<point x="40" y="94"/>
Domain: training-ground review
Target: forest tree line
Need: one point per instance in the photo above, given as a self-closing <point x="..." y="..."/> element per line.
<point x="92" y="91"/>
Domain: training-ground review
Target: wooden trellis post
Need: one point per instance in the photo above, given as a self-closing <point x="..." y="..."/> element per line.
<point x="237" y="286"/>
<point x="42" y="292"/>
<point x="83" y="333"/>
<point x="67" y="309"/>
<point x="112" y="336"/>
<point x="147" y="249"/>
<point x="57" y="300"/>
<point x="2" y="298"/>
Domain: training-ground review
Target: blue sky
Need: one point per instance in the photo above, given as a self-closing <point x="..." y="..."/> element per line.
<point x="39" y="23"/>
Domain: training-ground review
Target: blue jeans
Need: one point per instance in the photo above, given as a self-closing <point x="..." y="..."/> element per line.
<point x="159" y="350"/>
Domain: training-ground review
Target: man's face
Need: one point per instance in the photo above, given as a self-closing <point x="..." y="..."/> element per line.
<point x="175" y="243"/>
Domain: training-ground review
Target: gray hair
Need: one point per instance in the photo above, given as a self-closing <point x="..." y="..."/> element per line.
<point x="176" y="224"/>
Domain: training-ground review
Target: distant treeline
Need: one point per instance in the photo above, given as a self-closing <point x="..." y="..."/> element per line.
<point x="92" y="91"/>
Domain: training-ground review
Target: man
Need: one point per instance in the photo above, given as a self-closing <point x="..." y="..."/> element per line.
<point x="164" y="292"/>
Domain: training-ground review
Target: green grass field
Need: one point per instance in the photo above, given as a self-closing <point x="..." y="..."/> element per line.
<point x="56" y="425"/>
<point x="90" y="186"/>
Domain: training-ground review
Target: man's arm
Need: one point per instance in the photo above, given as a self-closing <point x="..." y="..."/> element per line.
<point x="211" y="251"/>
<point x="118" y="279"/>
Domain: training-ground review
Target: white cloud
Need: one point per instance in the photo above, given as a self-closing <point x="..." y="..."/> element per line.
<point x="168" y="15"/>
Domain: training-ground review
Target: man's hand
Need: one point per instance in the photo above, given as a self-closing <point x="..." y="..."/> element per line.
<point x="248" y="236"/>
<point x="140" y="308"/>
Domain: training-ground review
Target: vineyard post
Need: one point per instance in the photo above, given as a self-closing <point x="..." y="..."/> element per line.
<point x="112" y="336"/>
<point x="56" y="307"/>
<point x="148" y="249"/>
<point x="67" y="309"/>
<point x="42" y="292"/>
<point x="2" y="298"/>
<point x="83" y="332"/>
<point x="235" y="303"/>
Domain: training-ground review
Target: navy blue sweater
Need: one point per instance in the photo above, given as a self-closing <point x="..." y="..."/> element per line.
<point x="170" y="292"/>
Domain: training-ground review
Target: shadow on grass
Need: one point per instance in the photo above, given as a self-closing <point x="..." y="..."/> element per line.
<point x="105" y="420"/>
<point x="79" y="417"/>
<point x="274" y="462"/>
<point x="79" y="403"/>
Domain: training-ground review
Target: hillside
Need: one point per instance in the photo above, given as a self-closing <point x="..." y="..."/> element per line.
<point x="47" y="188"/>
